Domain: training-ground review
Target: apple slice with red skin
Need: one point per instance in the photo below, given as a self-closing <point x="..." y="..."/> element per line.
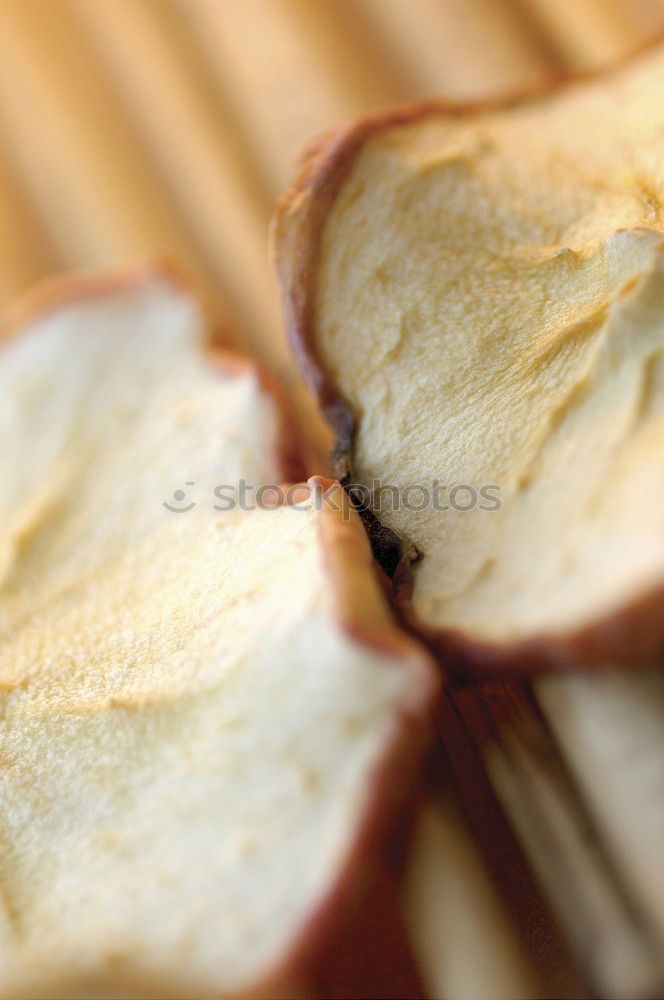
<point x="476" y="294"/>
<point x="211" y="725"/>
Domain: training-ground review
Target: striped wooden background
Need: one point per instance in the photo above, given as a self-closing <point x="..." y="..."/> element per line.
<point x="130" y="128"/>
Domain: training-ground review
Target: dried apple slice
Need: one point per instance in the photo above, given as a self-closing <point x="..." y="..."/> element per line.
<point x="477" y="295"/>
<point x="208" y="719"/>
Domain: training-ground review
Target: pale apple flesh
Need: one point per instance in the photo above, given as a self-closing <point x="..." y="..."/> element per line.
<point x="195" y="734"/>
<point x="486" y="294"/>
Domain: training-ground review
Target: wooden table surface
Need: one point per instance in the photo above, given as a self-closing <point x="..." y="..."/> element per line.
<point x="135" y="128"/>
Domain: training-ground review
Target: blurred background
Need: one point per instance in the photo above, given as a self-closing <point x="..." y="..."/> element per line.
<point x="134" y="128"/>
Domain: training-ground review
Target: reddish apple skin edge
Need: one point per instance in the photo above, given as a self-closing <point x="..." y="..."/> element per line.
<point x="396" y="781"/>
